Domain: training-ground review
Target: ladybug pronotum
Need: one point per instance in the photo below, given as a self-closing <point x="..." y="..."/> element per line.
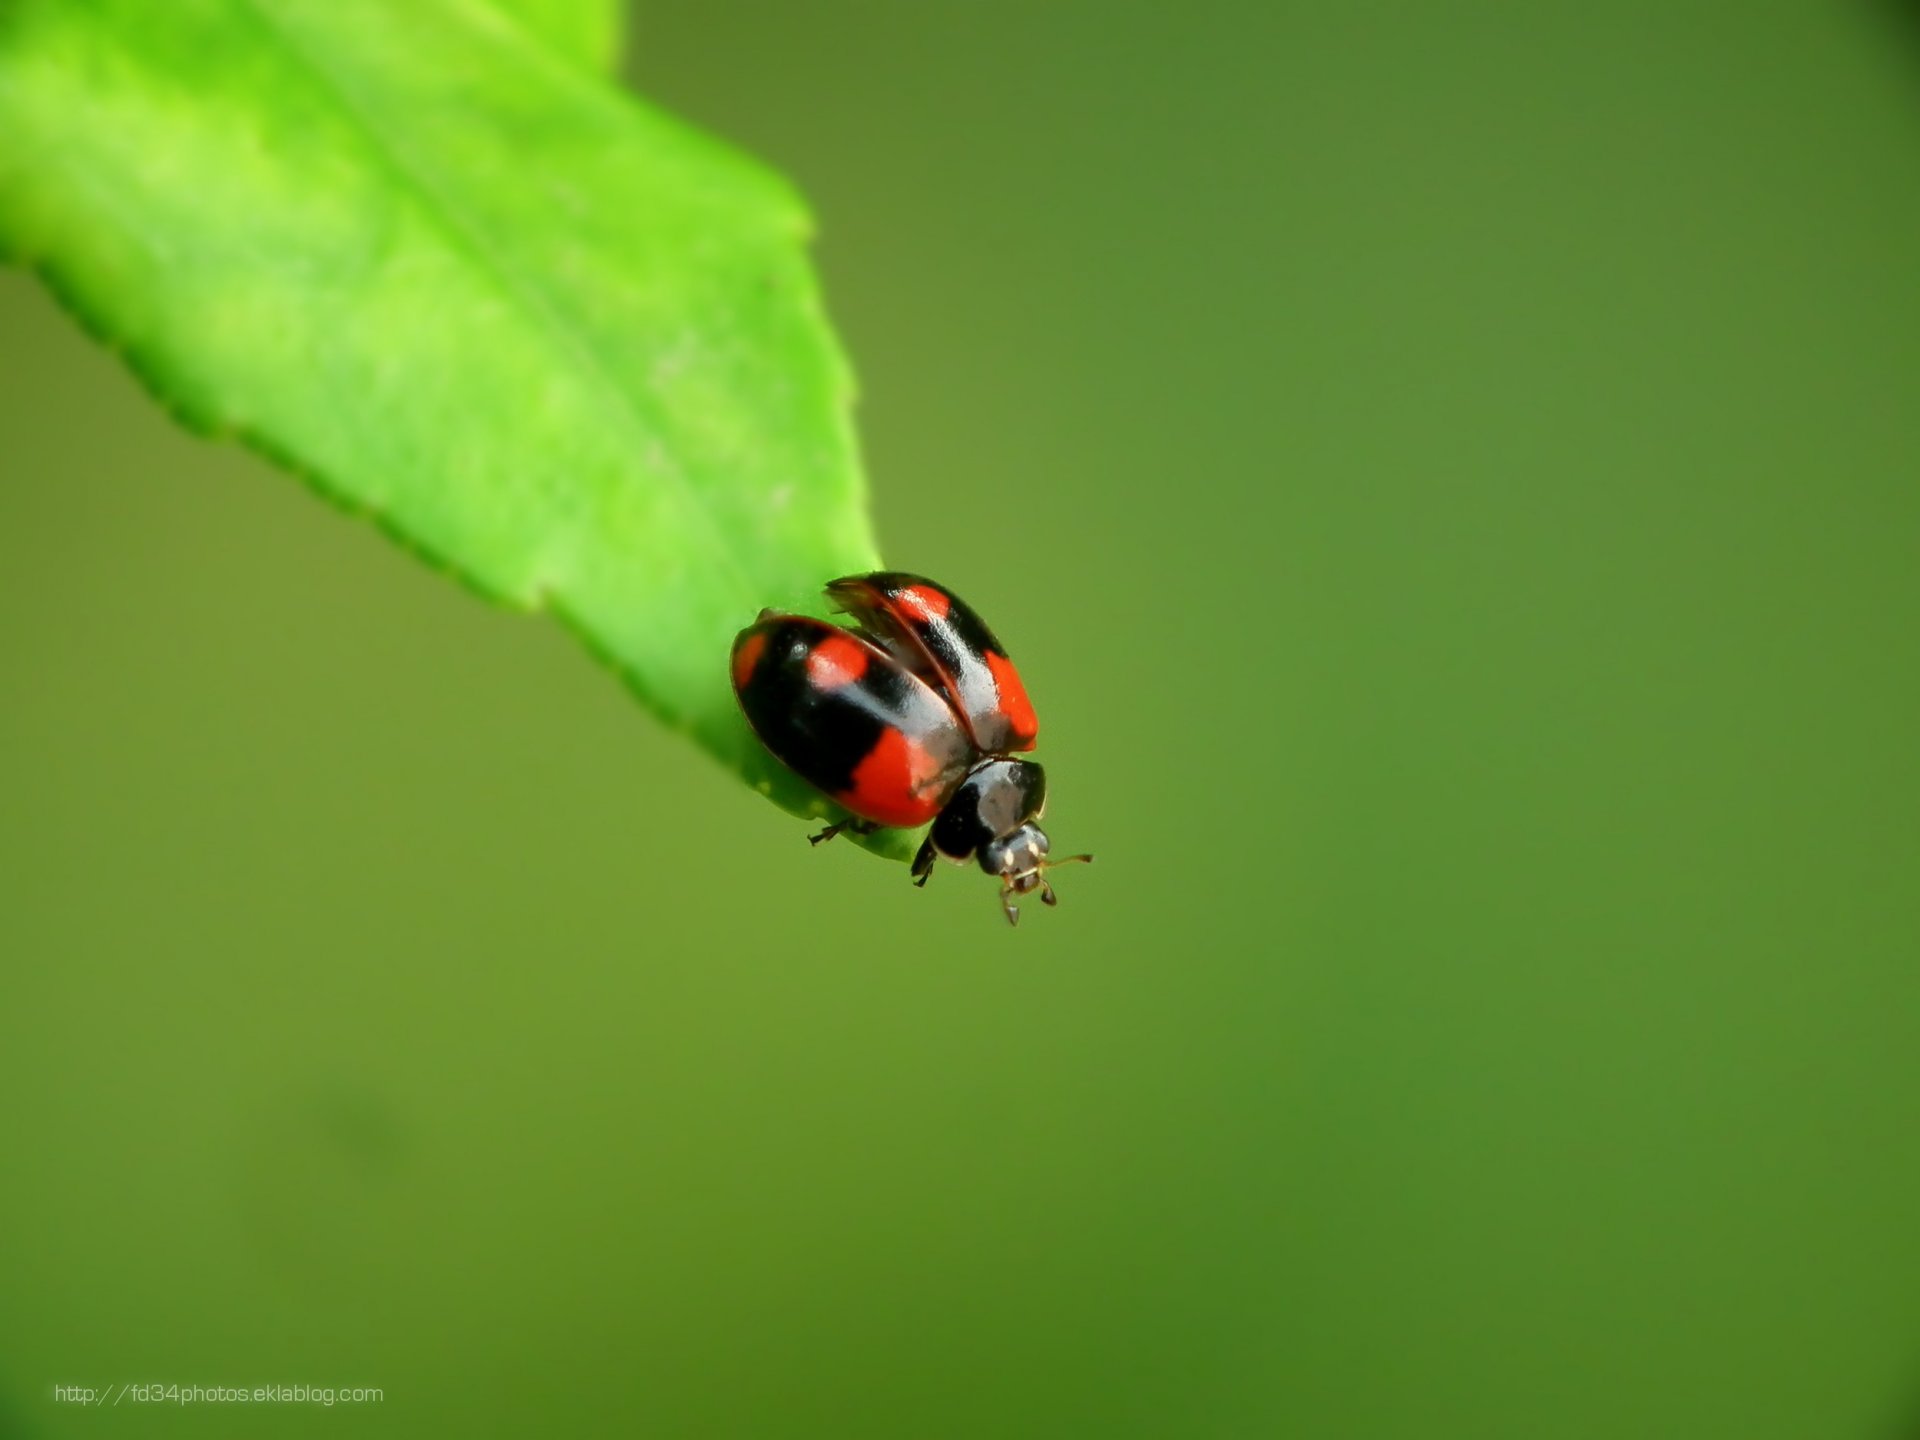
<point x="912" y="714"/>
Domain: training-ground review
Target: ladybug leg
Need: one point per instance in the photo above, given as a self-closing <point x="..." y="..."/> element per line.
<point x="853" y="824"/>
<point x="1006" y="904"/>
<point x="923" y="863"/>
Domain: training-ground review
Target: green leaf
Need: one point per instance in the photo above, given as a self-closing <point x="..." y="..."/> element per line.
<point x="587" y="32"/>
<point x="557" y="342"/>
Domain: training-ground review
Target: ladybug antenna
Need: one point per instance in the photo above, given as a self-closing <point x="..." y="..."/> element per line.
<point x="1047" y="897"/>
<point x="1035" y="878"/>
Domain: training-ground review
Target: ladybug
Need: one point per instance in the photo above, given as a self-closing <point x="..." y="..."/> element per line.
<point x="911" y="714"/>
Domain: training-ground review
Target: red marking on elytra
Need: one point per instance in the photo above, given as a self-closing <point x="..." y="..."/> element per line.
<point x="746" y="655"/>
<point x="837" y="660"/>
<point x="892" y="784"/>
<point x="1013" y="696"/>
<point x="924" y="601"/>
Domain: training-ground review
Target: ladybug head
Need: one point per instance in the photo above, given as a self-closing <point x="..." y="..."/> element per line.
<point x="1019" y="858"/>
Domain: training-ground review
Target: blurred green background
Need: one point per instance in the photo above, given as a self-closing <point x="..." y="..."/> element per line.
<point x="1448" y="476"/>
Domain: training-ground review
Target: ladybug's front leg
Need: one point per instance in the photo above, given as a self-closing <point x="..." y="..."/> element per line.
<point x="923" y="862"/>
<point x="853" y="825"/>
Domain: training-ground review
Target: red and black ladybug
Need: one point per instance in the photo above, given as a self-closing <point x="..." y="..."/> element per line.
<point x="912" y="714"/>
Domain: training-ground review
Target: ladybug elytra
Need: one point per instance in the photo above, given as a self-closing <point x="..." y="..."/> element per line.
<point x="912" y="714"/>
